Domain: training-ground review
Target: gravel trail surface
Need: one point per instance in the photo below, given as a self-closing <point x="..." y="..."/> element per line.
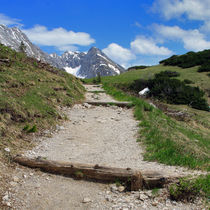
<point x="96" y="135"/>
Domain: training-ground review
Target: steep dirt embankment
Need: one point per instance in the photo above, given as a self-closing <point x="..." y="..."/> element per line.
<point x="96" y="135"/>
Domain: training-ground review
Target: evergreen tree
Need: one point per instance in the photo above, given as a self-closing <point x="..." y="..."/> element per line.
<point x="22" y="47"/>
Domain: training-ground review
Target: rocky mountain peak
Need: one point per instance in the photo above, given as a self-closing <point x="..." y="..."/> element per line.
<point x="85" y="65"/>
<point x="94" y="50"/>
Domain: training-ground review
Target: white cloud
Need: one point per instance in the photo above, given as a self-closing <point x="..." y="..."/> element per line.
<point x="119" y="54"/>
<point x="192" y="39"/>
<point x="58" y="37"/>
<point x="193" y="9"/>
<point x="206" y="27"/>
<point x="8" y="21"/>
<point x="142" y="45"/>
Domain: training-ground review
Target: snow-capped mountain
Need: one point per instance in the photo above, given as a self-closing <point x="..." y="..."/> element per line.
<point x="12" y="37"/>
<point x="83" y="65"/>
<point x="95" y="61"/>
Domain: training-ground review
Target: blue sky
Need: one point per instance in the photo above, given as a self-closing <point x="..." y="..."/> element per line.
<point x="131" y="32"/>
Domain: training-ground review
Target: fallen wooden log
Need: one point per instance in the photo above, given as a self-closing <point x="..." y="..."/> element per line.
<point x="103" y="103"/>
<point x="131" y="178"/>
<point x="152" y="179"/>
<point x="5" y="60"/>
<point x="134" y="180"/>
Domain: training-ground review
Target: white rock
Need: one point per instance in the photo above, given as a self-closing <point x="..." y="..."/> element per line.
<point x="108" y="198"/>
<point x="142" y="197"/>
<point x="13" y="184"/>
<point x="16" y="179"/>
<point x="8" y="204"/>
<point x="7" y="149"/>
<point x="149" y="193"/>
<point x="5" y="198"/>
<point x="113" y="188"/>
<point x="144" y="91"/>
<point x="86" y="200"/>
<point x="59" y="128"/>
<point x="121" y="188"/>
<point x="62" y="128"/>
<point x="86" y="105"/>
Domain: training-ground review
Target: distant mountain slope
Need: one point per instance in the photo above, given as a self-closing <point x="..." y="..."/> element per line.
<point x="80" y="64"/>
<point x="12" y="37"/>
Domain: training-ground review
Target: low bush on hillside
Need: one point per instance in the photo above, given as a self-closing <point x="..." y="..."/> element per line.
<point x="171" y="90"/>
<point x="187" y="188"/>
<point x="137" y="67"/>
<point x="187" y="81"/>
<point x="97" y="79"/>
<point x="167" y="73"/>
<point x="205" y="67"/>
<point x="188" y="60"/>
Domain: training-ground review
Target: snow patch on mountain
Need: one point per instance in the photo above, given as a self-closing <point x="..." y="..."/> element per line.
<point x="74" y="71"/>
<point x="114" y="68"/>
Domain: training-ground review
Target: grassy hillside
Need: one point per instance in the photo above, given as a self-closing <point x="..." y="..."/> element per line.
<point x="31" y="94"/>
<point x="167" y="140"/>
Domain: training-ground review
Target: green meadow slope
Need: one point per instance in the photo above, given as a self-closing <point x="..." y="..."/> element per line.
<point x="30" y="94"/>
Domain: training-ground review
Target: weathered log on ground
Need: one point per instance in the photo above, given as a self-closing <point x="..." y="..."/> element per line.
<point x="133" y="179"/>
<point x="103" y="103"/>
<point x="5" y="60"/>
<point x="96" y="91"/>
<point x="152" y="179"/>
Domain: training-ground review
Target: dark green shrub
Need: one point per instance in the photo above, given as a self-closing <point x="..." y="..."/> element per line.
<point x="98" y="78"/>
<point x="26" y="128"/>
<point x="176" y="92"/>
<point x="35" y="64"/>
<point x="94" y="81"/>
<point x="187" y="189"/>
<point x="172" y="91"/>
<point x="139" y="84"/>
<point x="188" y="60"/>
<point x="187" y="81"/>
<point x="137" y="67"/>
<point x="32" y="130"/>
<point x="204" y="68"/>
<point x="167" y="74"/>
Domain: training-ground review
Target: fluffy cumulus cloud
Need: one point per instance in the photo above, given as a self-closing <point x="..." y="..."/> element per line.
<point x="146" y="46"/>
<point x="58" y="37"/>
<point x="193" y="9"/>
<point x="119" y="54"/>
<point x="141" y="46"/>
<point x="192" y="39"/>
<point x="8" y="21"/>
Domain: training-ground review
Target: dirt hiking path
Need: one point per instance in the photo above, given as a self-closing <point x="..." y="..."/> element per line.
<point x="95" y="135"/>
